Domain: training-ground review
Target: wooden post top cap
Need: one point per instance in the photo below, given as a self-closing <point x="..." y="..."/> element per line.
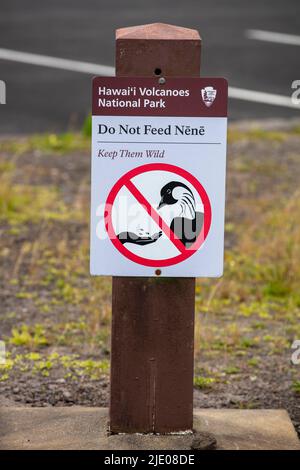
<point x="160" y="31"/>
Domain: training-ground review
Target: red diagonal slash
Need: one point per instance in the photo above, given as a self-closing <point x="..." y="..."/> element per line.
<point x="184" y="252"/>
<point x="155" y="216"/>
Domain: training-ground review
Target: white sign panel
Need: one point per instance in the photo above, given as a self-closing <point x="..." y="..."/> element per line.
<point x="158" y="177"/>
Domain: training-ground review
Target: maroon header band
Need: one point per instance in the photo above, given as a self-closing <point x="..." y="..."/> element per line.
<point x="205" y="97"/>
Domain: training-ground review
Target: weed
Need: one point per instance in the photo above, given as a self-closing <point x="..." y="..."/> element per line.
<point x="246" y="342"/>
<point x="231" y="370"/>
<point x="253" y="362"/>
<point x="87" y="127"/>
<point x="54" y="143"/>
<point x="296" y="386"/>
<point x="204" y="382"/>
<point x="32" y="337"/>
<point x="20" y="204"/>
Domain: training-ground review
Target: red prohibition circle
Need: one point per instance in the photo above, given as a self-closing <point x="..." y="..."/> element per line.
<point x="161" y="262"/>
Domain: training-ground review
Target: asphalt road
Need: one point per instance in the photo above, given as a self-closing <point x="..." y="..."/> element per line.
<point x="47" y="99"/>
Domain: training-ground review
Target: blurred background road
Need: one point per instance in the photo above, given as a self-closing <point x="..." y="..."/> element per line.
<point x="255" y="45"/>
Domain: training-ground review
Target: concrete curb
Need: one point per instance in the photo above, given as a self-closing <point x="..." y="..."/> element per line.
<point x="86" y="428"/>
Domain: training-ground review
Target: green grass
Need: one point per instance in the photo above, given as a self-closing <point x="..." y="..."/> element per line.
<point x="253" y="362"/>
<point x="231" y="370"/>
<point x="204" y="382"/>
<point x="87" y="127"/>
<point x="20" y="204"/>
<point x="68" y="366"/>
<point x="47" y="143"/>
<point x="296" y="386"/>
<point x="255" y="134"/>
<point x="31" y="337"/>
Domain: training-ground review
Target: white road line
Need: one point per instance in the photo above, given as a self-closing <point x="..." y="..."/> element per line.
<point x="105" y="70"/>
<point x="261" y="97"/>
<point x="55" y="62"/>
<point x="270" y="36"/>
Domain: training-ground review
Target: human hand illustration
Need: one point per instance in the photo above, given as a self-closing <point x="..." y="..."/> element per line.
<point x="139" y="239"/>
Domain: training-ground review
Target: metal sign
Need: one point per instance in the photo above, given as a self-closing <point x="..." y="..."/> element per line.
<point x="158" y="176"/>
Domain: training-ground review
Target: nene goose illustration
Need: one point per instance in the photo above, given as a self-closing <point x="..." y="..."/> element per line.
<point x="182" y="217"/>
<point x="185" y="222"/>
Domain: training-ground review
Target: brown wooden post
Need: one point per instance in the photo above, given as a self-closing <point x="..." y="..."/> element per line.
<point x="153" y="318"/>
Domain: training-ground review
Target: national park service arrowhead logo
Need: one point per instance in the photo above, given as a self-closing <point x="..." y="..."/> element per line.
<point x="208" y="95"/>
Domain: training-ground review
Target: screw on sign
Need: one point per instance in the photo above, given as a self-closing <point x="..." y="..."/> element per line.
<point x="177" y="223"/>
